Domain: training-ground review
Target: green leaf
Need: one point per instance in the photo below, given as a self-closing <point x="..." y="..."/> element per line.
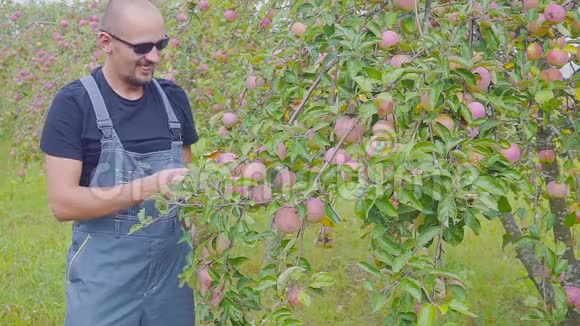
<point x="365" y="84"/>
<point x="447" y="209"/>
<point x="427" y="315"/>
<point x="388" y="245"/>
<point x="379" y="300"/>
<point x="265" y="282"/>
<point x="412" y="287"/>
<point x="320" y="280"/>
<point x="386" y="207"/>
<point x="506" y="239"/>
<point x="353" y="66"/>
<point x="369" y="269"/>
<point x="390" y="76"/>
<point x="504" y="205"/>
<point x="383" y="256"/>
<point x="329" y="29"/>
<point x="428" y="235"/>
<point x="304" y="298"/>
<point x="280" y="314"/>
<point x="435" y="91"/>
<point x="373" y="73"/>
<point x="332" y="214"/>
<point x="488" y="184"/>
<point x="238" y="260"/>
<point x="472" y="222"/>
<point x="544" y="96"/>
<point x="298" y="149"/>
<point x="570" y="219"/>
<point x="522" y="213"/>
<point x="460" y="307"/>
<point x="467" y="75"/>
<point x="375" y="28"/>
<point x="424" y="146"/>
<point x="407" y="197"/>
<point x="400" y="261"/>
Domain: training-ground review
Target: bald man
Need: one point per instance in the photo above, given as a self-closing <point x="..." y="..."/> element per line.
<point x="113" y="139"/>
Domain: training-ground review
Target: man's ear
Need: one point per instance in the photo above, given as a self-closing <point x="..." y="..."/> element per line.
<point x="104" y="42"/>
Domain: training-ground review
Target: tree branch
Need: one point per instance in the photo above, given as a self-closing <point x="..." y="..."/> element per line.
<point x="311" y="89"/>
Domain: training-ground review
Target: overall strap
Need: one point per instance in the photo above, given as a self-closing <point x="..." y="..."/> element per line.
<point x="104" y="122"/>
<point x="174" y="124"/>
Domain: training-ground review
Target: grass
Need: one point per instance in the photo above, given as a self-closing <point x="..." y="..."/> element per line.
<point x="34" y="245"/>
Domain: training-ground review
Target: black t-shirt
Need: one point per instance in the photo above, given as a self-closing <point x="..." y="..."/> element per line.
<point x="70" y="129"/>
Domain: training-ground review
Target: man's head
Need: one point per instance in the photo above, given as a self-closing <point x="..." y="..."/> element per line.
<point x="128" y="29"/>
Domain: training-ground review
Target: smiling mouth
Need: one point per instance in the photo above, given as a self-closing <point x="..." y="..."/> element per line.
<point x="147" y="69"/>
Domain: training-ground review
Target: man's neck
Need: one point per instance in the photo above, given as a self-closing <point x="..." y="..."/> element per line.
<point x="129" y="92"/>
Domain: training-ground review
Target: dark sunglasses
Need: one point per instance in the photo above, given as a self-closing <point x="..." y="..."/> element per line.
<point x="143" y="48"/>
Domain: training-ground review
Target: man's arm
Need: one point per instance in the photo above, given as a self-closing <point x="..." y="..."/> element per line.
<point x="187" y="154"/>
<point x="69" y="201"/>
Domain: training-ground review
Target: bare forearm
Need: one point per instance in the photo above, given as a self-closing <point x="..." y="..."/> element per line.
<point x="85" y="203"/>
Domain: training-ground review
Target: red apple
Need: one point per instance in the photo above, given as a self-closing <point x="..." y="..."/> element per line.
<point x="298" y="29"/>
<point x="546" y="156"/>
<point x="530" y="4"/>
<point x="405" y="5"/>
<point x="477" y="110"/>
<point x="555" y="13"/>
<point x="315" y="210"/>
<point x="534" y="51"/>
<point x="389" y="38"/>
<point x="399" y="59"/>
<point x="231" y="15"/>
<point x="557" y="57"/>
<point x="557" y="190"/>
<point x="483" y="79"/>
<point x="512" y="153"/>
<point x="551" y="74"/>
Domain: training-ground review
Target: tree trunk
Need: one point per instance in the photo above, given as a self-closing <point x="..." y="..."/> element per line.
<point x="528" y="258"/>
<point x="558" y="209"/>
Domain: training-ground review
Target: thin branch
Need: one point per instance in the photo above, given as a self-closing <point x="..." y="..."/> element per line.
<point x="311" y="89"/>
<point x="417" y="21"/>
<point x="301" y="236"/>
<point x="427" y="17"/>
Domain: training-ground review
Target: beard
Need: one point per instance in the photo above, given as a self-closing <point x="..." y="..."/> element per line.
<point x="138" y="78"/>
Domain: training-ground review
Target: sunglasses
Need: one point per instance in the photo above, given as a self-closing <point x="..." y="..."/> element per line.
<point x="143" y="48"/>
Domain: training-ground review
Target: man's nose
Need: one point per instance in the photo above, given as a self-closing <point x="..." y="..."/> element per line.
<point x="153" y="56"/>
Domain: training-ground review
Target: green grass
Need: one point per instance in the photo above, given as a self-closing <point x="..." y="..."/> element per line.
<point x="33" y="247"/>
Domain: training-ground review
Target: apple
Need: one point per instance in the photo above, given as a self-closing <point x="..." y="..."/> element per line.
<point x="557" y="190"/>
<point x="298" y="28"/>
<point x="512" y="153"/>
<point x="546" y="156"/>
<point x="389" y="38"/>
<point x="534" y="51"/>
<point x="555" y="13"/>
<point x="557" y="57"/>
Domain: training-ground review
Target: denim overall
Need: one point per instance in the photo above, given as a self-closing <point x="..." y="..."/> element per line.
<point x="113" y="278"/>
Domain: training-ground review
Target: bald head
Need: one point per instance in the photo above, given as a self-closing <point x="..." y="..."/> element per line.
<point x="122" y="15"/>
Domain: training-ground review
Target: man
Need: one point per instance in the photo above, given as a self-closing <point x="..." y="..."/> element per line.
<point x="112" y="140"/>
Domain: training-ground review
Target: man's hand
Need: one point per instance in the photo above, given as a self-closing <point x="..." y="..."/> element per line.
<point x="166" y="178"/>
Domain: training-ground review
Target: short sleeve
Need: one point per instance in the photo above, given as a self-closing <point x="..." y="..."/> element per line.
<point x="182" y="108"/>
<point x="61" y="134"/>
